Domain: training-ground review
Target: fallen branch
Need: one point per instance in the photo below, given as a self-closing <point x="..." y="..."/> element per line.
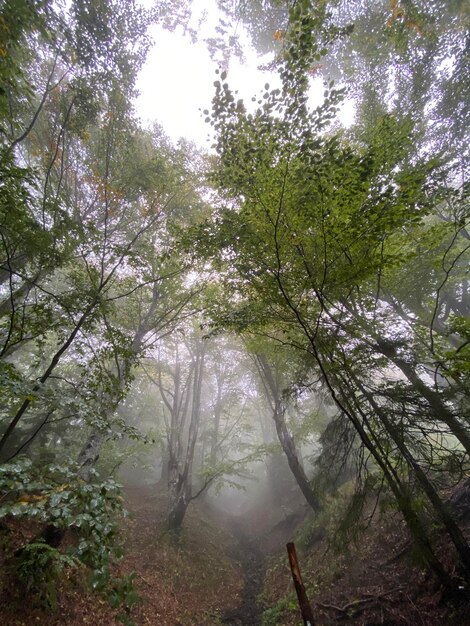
<point x="357" y="605"/>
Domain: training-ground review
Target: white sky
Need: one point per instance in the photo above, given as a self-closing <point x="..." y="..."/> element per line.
<point x="176" y="83"/>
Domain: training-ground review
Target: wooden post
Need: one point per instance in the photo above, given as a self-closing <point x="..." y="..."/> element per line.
<point x="305" y="608"/>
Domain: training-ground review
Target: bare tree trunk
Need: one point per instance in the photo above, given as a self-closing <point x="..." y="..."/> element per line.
<point x="438" y="408"/>
<point x="452" y="528"/>
<point x="288" y="445"/>
<point x="164" y="465"/>
<point x="89" y="454"/>
<point x="180" y="466"/>
<point x="413" y="522"/>
<point x="216" y="424"/>
<point x="285" y="438"/>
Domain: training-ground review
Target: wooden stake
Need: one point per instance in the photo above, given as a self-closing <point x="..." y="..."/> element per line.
<point x="305" y="608"/>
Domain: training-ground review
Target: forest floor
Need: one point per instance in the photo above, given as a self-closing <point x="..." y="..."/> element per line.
<point x="247" y="612"/>
<point x="189" y="579"/>
<point x="221" y="570"/>
<point x="376" y="581"/>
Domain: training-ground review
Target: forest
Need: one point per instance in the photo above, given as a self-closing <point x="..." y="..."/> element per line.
<point x="209" y="352"/>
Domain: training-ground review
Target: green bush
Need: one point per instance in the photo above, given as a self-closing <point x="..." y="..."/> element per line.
<point x="38" y="567"/>
<point x="55" y="495"/>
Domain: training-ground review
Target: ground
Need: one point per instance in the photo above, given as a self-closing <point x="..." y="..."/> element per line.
<point x="186" y="579"/>
<point x="233" y="571"/>
<point x="376" y="581"/>
<point x="189" y="578"/>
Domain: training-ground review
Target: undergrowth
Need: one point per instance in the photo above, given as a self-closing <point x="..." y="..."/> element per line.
<point x="87" y="514"/>
<point x="37" y="570"/>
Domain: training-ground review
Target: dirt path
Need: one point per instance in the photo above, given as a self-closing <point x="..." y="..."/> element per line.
<point x="187" y="579"/>
<point x="248" y="554"/>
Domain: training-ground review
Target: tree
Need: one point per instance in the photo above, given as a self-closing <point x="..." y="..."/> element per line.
<point x="320" y="223"/>
<point x="276" y="394"/>
<point x="91" y="207"/>
<point x="52" y="224"/>
<point x="179" y="380"/>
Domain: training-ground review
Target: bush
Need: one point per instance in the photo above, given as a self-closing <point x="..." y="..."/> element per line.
<point x="55" y="495"/>
<point x="38" y="567"/>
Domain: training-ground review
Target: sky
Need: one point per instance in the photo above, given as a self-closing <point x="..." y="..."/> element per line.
<point x="176" y="83"/>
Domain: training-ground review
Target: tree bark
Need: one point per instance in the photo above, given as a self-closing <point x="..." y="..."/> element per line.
<point x="439" y="409"/>
<point x="439" y="506"/>
<point x="285" y="438"/>
<point x="181" y="457"/>
<point x="414" y="524"/>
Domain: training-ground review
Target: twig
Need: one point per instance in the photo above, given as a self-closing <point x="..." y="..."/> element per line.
<point x="144" y="579"/>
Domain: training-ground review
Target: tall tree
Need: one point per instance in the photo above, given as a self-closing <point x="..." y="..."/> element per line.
<point x="179" y="379"/>
<point x="320" y="223"/>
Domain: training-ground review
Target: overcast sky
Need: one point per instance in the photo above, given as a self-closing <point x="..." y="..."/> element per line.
<point x="176" y="83"/>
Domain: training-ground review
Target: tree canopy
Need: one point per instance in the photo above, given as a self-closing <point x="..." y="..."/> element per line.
<point x="302" y="288"/>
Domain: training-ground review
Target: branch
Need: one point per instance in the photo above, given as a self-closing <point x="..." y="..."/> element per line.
<point x="47" y="91"/>
<point x="357" y="605"/>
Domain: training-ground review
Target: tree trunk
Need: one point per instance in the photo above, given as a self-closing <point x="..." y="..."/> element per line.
<point x="452" y="528"/>
<point x="176" y="512"/>
<point x="89" y="454"/>
<point x="296" y="468"/>
<point x="181" y="457"/>
<point x="414" y="524"/>
<point x="438" y="408"/>
<point x="338" y="387"/>
<point x="216" y="426"/>
<point x="164" y="465"/>
<point x="285" y="438"/>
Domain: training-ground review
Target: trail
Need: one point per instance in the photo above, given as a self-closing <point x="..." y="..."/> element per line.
<point x="252" y="560"/>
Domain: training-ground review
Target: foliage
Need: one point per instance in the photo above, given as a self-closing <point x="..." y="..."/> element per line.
<point x="90" y="209"/>
<point x="340" y="257"/>
<point x="39" y="568"/>
<point x="53" y="494"/>
<point x="121" y="593"/>
<point x="344" y="517"/>
<point x="319" y="231"/>
<point x="275" y="615"/>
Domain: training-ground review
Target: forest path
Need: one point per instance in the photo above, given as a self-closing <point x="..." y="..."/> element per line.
<point x="186" y="579"/>
<point x="252" y="561"/>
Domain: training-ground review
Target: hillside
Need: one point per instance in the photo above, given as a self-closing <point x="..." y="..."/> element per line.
<point x="234" y="571"/>
<point x="190" y="578"/>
